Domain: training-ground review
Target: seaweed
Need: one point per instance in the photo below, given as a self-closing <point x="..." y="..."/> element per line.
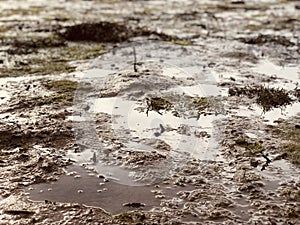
<point x="267" y="98"/>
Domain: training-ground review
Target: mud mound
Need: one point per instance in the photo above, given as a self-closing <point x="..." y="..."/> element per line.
<point x="108" y="32"/>
<point x="55" y="136"/>
<point x="98" y="32"/>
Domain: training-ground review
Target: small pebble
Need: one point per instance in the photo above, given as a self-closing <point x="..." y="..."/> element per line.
<point x="160" y="196"/>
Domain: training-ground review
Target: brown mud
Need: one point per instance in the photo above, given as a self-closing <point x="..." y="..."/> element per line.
<point x="149" y="112"/>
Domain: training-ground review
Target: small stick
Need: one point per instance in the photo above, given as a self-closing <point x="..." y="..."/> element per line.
<point x="134" y="58"/>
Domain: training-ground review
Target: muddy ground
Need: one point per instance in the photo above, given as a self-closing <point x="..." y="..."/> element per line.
<point x="149" y="112"/>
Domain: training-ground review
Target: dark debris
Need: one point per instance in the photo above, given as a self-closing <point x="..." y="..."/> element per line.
<point x="267" y="98"/>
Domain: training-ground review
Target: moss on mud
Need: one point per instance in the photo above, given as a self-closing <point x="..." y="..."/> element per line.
<point x="255" y="147"/>
<point x="45" y="55"/>
<point x="62" y="86"/>
<point x="290" y="132"/>
<point x="201" y="104"/>
<point x="65" y="91"/>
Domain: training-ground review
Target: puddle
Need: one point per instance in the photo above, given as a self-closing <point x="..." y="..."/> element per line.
<point x="286" y="72"/>
<point x="116" y="172"/>
<point x="284" y="171"/>
<point x="143" y="126"/>
<point x="85" y="187"/>
<point x="93" y="73"/>
<point x="197" y="90"/>
<point x="188" y="138"/>
<point x="76" y="118"/>
<point x="273" y="115"/>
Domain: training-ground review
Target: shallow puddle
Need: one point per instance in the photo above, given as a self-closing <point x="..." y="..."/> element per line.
<point x="271" y="117"/>
<point x="285" y="171"/>
<point x="83" y="187"/>
<point x="86" y="187"/>
<point x="286" y="72"/>
<point x="163" y="127"/>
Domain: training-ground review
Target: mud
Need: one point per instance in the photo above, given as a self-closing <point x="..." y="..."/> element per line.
<point x="156" y="112"/>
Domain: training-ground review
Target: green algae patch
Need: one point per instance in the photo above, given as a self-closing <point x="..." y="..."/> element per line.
<point x="56" y="99"/>
<point x="293" y="151"/>
<point x="62" y="86"/>
<point x="64" y="91"/>
<point x="201" y="104"/>
<point x="82" y="52"/>
<point x="183" y="42"/>
<point x="241" y="142"/>
<point x="255" y="147"/>
<point x="293" y="212"/>
<point x="46" y="55"/>
<point x="48" y="68"/>
<point x="289" y="132"/>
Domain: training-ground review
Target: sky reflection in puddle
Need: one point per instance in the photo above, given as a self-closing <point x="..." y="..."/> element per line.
<point x="286" y="72"/>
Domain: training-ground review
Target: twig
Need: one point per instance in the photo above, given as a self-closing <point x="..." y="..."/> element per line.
<point x="134" y="60"/>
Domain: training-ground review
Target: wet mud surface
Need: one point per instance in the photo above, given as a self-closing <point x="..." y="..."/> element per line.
<point x="149" y="112"/>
